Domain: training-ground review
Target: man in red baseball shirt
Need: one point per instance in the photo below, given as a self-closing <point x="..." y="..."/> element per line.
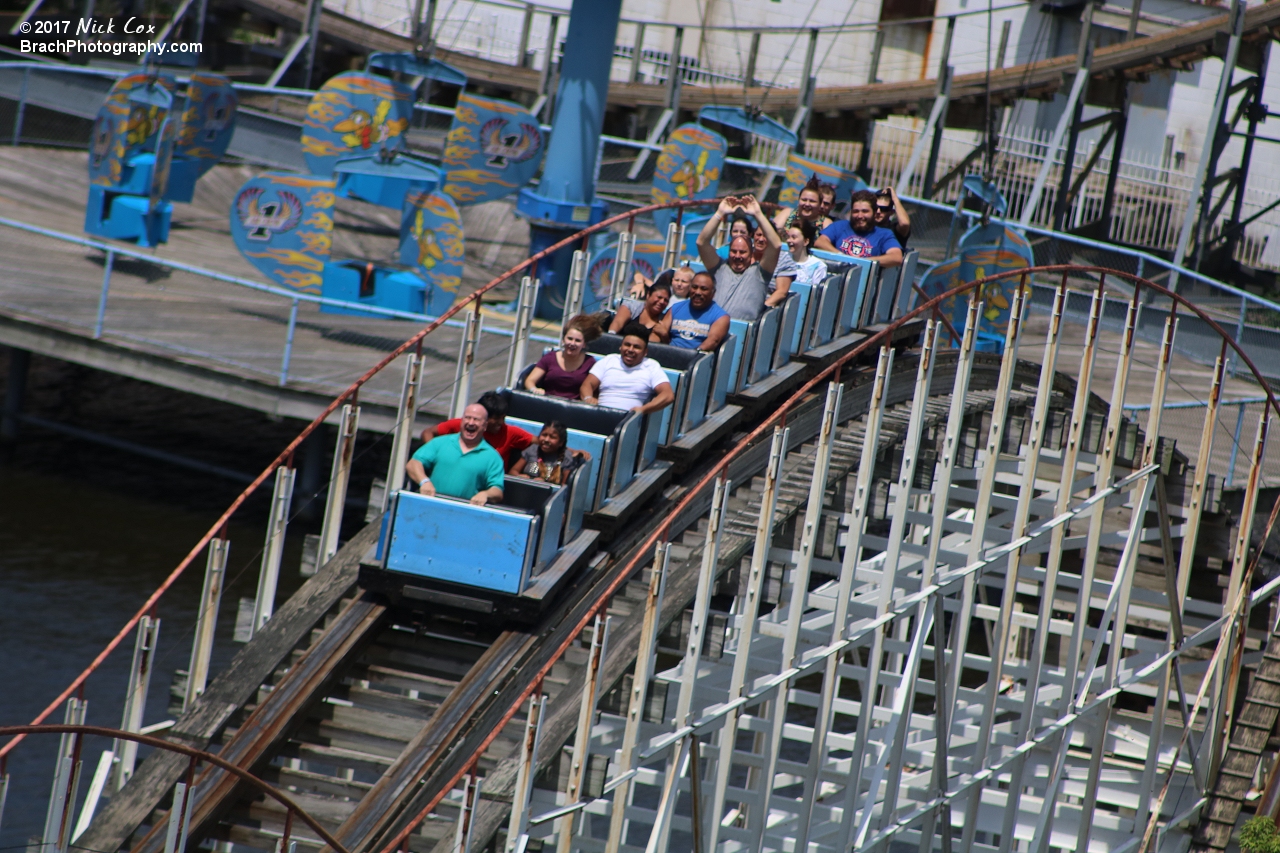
<point x="509" y="441"/>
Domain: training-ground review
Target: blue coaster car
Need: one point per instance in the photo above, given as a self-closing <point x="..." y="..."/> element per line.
<point x="505" y="560"/>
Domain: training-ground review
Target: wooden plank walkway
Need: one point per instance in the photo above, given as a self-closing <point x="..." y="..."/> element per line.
<point x="211" y="337"/>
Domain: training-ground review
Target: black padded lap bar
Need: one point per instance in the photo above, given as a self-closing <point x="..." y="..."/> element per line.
<point x="574" y="414"/>
<point x="529" y="495"/>
<point x="676" y="358"/>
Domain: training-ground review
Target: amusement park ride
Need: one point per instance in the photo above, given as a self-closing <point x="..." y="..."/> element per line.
<point x="152" y="142"/>
<point x="950" y="701"/>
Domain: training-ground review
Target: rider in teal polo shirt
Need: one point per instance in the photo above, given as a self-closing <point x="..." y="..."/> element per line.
<point x="462" y="465"/>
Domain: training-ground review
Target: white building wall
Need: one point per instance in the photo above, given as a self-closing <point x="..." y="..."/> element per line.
<point x="842" y="58"/>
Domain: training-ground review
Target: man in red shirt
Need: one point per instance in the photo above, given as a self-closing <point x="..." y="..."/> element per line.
<point x="509" y="441"/>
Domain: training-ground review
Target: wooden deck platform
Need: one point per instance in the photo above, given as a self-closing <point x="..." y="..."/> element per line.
<point x="214" y="338"/>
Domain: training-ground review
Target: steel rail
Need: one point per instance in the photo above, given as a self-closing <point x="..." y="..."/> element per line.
<point x="660" y="533"/>
<point x="285" y="455"/>
<point x="192" y="752"/>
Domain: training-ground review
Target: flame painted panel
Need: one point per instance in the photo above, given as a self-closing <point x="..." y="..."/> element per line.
<point x="984" y="251"/>
<point x="494" y="148"/>
<point x="283" y="225"/>
<point x="431" y="241"/>
<point x="800" y="168"/>
<point x="689" y="167"/>
<point x="124" y="128"/>
<point x="208" y="120"/>
<point x="354" y="113"/>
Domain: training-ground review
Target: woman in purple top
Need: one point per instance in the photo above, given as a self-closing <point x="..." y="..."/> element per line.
<point x="560" y="373"/>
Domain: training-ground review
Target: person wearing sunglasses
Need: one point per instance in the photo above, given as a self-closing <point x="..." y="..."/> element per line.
<point x="892" y="215"/>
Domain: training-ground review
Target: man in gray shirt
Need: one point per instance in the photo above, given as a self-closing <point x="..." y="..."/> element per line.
<point x="742" y="284"/>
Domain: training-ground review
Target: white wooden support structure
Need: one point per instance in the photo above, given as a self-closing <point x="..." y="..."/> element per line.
<point x="1021" y="521"/>
<point x="639" y="689"/>
<point x="66" y="783"/>
<point x="466" y="819"/>
<point x="517" y="356"/>
<point x="961" y="614"/>
<point x="519" y="822"/>
<point x="745" y="634"/>
<point x="215" y="575"/>
<point x="674" y="245"/>
<point x="582" y="737"/>
<point x="1222" y="711"/>
<point x="264" y="603"/>
<point x="135" y="700"/>
<point x="466" y="362"/>
<point x="339" y="477"/>
<point x="853" y="548"/>
<point x="800" y="583"/>
<point x="620" y="279"/>
<point x="577" y="281"/>
<point x="175" y="836"/>
<point x="402" y="437"/>
<point x="98" y="784"/>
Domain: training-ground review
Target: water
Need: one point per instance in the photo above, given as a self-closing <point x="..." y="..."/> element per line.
<point x="87" y="533"/>
<point x="75" y="562"/>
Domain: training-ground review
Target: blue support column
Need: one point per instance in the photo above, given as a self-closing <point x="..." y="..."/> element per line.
<point x="565" y="199"/>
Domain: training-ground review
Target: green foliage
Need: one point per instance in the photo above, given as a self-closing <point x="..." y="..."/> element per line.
<point x="1259" y="835"/>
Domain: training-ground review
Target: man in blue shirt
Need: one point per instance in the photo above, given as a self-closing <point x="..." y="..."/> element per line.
<point x="858" y="236"/>
<point x="462" y="465"/>
<point x="697" y="322"/>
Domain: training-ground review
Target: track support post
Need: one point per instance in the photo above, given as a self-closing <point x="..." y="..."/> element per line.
<point x="519" y="823"/>
<point x="66" y="782"/>
<point x="639" y="692"/>
<point x="746" y="632"/>
<point x="339" y="476"/>
<point x="582" y="738"/>
<point x="517" y="356"/>
<point x="215" y="571"/>
<point x="175" y="836"/>
<point x="577" y="281"/>
<point x="135" y="701"/>
<point x="466" y="362"/>
<point x="466" y="820"/>
<point x="264" y="604"/>
<point x="675" y="243"/>
<point x="403" y="436"/>
<point x="620" y="281"/>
